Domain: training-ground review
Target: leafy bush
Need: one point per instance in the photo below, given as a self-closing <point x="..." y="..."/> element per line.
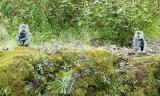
<point x="103" y="20"/>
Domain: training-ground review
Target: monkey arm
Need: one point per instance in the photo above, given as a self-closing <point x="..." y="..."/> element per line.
<point x="145" y="45"/>
<point x="134" y="43"/>
<point x="25" y="38"/>
<point x="17" y="37"/>
<point x="29" y="36"/>
<point x="20" y="39"/>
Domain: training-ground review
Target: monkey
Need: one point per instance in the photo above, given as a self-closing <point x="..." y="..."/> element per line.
<point x="139" y="43"/>
<point x="24" y="36"/>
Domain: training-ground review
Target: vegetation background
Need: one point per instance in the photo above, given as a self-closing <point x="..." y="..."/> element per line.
<point x="28" y="72"/>
<point x="100" y="21"/>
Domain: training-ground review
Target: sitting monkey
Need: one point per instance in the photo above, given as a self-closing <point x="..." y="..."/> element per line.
<point x="24" y="36"/>
<point x="139" y="43"/>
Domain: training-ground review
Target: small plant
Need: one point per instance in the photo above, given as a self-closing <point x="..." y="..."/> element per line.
<point x="106" y="80"/>
<point x="65" y="84"/>
<point x="3" y="92"/>
<point x="44" y="65"/>
<point x="44" y="60"/>
<point x="158" y="82"/>
<point x="40" y="69"/>
<point x="66" y="66"/>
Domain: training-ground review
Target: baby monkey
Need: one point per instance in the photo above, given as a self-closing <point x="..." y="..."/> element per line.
<point x="24" y="36"/>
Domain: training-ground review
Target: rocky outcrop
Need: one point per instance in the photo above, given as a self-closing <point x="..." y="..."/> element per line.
<point x="27" y="72"/>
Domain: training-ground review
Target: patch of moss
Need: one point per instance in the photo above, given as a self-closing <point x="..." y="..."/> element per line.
<point x="146" y="75"/>
<point x="15" y="68"/>
<point x="26" y="72"/>
<point x="91" y="70"/>
<point x="151" y="88"/>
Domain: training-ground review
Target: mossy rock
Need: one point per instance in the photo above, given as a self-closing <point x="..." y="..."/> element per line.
<point x="141" y="78"/>
<point x="15" y="68"/>
<point x="77" y="73"/>
<point x="87" y="71"/>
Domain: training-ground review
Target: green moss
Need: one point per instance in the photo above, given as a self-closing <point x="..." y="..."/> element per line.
<point x="151" y="89"/>
<point x="79" y="73"/>
<point x="80" y="92"/>
<point x="92" y="68"/>
<point x="15" y="68"/>
<point x="57" y="58"/>
<point x="147" y="70"/>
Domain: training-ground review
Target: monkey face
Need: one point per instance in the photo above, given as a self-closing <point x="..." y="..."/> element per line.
<point x="23" y="28"/>
<point x="139" y="34"/>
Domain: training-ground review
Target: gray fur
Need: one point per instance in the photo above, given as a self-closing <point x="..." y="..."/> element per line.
<point x="24" y="36"/>
<point x="139" y="43"/>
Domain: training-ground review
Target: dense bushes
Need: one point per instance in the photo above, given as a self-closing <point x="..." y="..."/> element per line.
<point x="107" y="20"/>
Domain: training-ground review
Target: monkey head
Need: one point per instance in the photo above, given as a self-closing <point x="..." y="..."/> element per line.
<point x="23" y="28"/>
<point x="139" y="35"/>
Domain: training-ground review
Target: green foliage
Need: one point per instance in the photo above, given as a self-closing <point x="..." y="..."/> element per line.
<point x="66" y="66"/>
<point x="106" y="80"/>
<point x="62" y="84"/>
<point x="153" y="30"/>
<point x="158" y="82"/>
<point x="105" y="20"/>
<point x="44" y="66"/>
<point x="3" y="92"/>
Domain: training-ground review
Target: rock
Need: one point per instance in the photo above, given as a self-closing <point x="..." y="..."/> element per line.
<point x="84" y="57"/>
<point x="6" y="48"/>
<point x="27" y="72"/>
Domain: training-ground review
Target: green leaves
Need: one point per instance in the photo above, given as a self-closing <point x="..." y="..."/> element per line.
<point x="112" y="20"/>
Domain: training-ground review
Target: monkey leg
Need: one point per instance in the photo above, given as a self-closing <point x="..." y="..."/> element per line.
<point x="20" y="43"/>
<point x="139" y="49"/>
<point x="26" y="43"/>
<point x="136" y="48"/>
<point x="142" y="48"/>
